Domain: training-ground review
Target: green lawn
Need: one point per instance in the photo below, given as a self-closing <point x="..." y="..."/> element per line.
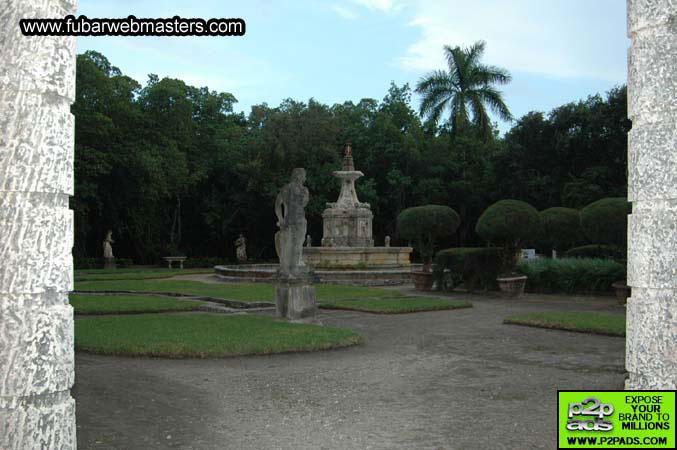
<point x="121" y="304"/>
<point x="134" y="274"/>
<point x="204" y="336"/>
<point x="397" y="305"/>
<point x="247" y="292"/>
<point x="613" y="325"/>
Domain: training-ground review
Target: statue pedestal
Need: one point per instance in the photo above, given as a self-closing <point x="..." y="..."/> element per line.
<point x="109" y="263"/>
<point x="295" y="298"/>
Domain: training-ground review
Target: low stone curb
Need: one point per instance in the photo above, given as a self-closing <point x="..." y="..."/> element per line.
<point x="230" y="303"/>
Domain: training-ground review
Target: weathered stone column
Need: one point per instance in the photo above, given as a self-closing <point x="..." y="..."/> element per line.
<point x="37" y="86"/>
<point x="651" y="353"/>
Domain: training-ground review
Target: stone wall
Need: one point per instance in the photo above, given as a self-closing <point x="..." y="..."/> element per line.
<point x="651" y="349"/>
<point x="37" y="86"/>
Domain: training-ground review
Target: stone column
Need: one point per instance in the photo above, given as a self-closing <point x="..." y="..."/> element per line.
<point x="651" y="349"/>
<point x="37" y="86"/>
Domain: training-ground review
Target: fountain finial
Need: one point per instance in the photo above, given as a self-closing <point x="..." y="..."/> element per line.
<point x="348" y="164"/>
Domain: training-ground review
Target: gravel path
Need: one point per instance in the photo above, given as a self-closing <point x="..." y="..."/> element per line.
<point x="455" y="379"/>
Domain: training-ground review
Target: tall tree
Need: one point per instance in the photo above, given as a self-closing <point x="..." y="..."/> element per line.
<point x="465" y="88"/>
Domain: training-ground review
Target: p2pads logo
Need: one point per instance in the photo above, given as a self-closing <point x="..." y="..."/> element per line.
<point x="596" y="409"/>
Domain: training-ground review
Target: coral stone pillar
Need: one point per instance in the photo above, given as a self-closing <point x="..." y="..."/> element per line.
<point x="37" y="86"/>
<point x="651" y="349"/>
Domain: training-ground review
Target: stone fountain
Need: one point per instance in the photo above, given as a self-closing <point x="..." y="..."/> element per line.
<point x="347" y="241"/>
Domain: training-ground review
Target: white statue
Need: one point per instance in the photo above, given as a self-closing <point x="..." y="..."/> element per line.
<point x="309" y="241"/>
<point x="387" y="241"/>
<point x="107" y="245"/>
<point x="241" y="248"/>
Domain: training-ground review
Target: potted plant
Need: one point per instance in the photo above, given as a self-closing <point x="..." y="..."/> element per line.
<point x="509" y="224"/>
<point x="606" y="222"/>
<point x="423" y="225"/>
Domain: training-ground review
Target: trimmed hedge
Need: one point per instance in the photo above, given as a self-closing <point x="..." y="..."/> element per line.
<point x="561" y="228"/>
<point x="606" y="221"/>
<point x="476" y="267"/>
<point x="595" y="251"/>
<point x="571" y="275"/>
<point x="97" y="263"/>
<point x="198" y="263"/>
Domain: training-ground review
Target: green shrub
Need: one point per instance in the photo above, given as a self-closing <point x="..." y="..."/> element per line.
<point x="606" y="221"/>
<point x="571" y="275"/>
<point x="509" y="224"/>
<point x="194" y="263"/>
<point x="97" y="263"/>
<point x="561" y="228"/>
<point x="87" y="263"/>
<point x="595" y="251"/>
<point x="476" y="267"/>
<point x="422" y="225"/>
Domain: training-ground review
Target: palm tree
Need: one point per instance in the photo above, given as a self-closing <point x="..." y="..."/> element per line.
<point x="466" y="86"/>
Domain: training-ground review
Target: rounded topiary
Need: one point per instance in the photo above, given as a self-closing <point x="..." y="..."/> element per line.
<point x="509" y="224"/>
<point x="606" y="221"/>
<point x="422" y="225"/>
<point x="561" y="227"/>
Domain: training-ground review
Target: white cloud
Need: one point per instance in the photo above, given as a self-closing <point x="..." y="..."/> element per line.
<point x="562" y="39"/>
<point x="379" y="5"/>
<point x="344" y="12"/>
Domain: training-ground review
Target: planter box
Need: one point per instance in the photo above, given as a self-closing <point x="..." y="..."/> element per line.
<point x="423" y="281"/>
<point x="512" y="286"/>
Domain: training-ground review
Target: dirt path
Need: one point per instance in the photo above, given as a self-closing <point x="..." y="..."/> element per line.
<point x="439" y="380"/>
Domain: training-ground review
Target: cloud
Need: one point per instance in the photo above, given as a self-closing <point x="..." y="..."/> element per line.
<point x="378" y="5"/>
<point x="344" y="12"/>
<point x="567" y="39"/>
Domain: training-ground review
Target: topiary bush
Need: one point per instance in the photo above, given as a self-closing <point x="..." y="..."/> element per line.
<point x="423" y="225"/>
<point x="475" y="267"/>
<point x="606" y="221"/>
<point x="599" y="251"/>
<point x="509" y="224"/>
<point x="571" y="275"/>
<point x="561" y="228"/>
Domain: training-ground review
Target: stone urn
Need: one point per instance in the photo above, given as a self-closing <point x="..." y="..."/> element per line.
<point x="512" y="285"/>
<point x="623" y="291"/>
<point x="423" y="281"/>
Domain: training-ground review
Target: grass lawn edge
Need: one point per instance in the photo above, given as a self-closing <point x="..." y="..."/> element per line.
<point x="551" y="326"/>
<point x="357" y="341"/>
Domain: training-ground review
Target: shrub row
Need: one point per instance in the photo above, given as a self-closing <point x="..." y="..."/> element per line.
<point x="97" y="263"/>
<point x="571" y="275"/>
<point x="595" y="251"/>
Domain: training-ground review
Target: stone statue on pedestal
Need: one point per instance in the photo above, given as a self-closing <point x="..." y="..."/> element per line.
<point x="291" y="218"/>
<point x="241" y="248"/>
<point x="294" y="293"/>
<point x="108" y="258"/>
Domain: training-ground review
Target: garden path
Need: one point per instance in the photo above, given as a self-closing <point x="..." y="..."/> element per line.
<point x="438" y="380"/>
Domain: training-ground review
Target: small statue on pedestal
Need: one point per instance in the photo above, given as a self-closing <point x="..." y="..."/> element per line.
<point x="241" y="248"/>
<point x="108" y="258"/>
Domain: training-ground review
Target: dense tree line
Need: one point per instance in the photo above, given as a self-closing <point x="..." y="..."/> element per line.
<point x="171" y="168"/>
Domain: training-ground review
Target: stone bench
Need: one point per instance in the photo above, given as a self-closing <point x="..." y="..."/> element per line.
<point x="171" y="259"/>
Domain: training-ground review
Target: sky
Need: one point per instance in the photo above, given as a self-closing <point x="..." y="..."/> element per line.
<point x="557" y="51"/>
